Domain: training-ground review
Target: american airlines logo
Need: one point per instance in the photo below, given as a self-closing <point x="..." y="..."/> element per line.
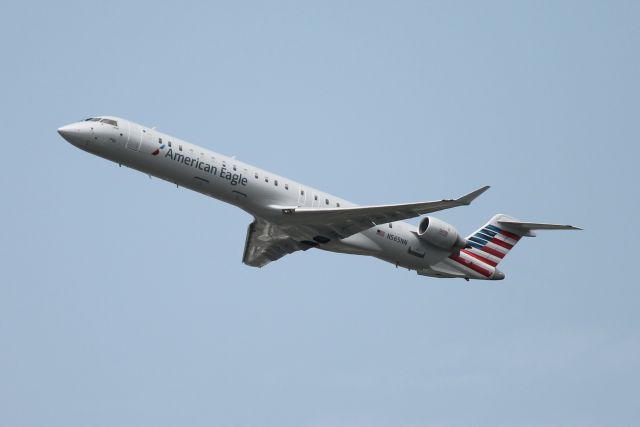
<point x="155" y="153"/>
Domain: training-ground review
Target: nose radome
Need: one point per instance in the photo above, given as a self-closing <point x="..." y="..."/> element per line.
<point x="67" y="131"/>
<point x="74" y="133"/>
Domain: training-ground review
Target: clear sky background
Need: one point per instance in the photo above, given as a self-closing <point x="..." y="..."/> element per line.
<point x="124" y="302"/>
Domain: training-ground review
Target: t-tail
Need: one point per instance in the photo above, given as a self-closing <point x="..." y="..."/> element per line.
<point x="492" y="242"/>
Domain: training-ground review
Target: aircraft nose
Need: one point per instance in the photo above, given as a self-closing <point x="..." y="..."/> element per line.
<point x="75" y="133"/>
<point x="67" y="131"/>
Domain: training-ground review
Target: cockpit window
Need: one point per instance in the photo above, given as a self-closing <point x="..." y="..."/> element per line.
<point x="109" y="122"/>
<point x="92" y="119"/>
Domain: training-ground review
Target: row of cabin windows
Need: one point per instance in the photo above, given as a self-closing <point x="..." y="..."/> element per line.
<point x="235" y="168"/>
<point x="190" y="150"/>
<point x="266" y="179"/>
<point x="256" y="176"/>
<point x="286" y="187"/>
<point x="315" y="199"/>
<point x="169" y="144"/>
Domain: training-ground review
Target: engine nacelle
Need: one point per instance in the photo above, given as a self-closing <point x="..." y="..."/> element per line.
<point x="440" y="234"/>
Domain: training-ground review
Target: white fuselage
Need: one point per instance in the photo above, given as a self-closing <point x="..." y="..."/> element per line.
<point x="261" y="193"/>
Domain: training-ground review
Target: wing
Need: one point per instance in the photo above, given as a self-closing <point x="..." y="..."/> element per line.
<point x="303" y="228"/>
<point x="344" y="222"/>
<point x="267" y="242"/>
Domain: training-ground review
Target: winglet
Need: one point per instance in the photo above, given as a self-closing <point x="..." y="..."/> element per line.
<point x="468" y="198"/>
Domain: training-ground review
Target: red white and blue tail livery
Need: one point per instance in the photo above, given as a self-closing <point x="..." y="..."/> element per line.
<point x="488" y="245"/>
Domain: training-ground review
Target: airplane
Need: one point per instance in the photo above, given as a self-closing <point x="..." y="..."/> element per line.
<point x="290" y="217"/>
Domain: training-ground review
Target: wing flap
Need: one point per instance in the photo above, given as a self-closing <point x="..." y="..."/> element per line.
<point x="267" y="242"/>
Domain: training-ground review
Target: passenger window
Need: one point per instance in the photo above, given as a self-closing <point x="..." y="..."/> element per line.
<point x="234" y="167"/>
<point x="315" y="197"/>
<point x="326" y="201"/>
<point x="266" y="179"/>
<point x="169" y="144"/>
<point x="275" y="181"/>
<point x="180" y="147"/>
<point x="159" y="140"/>
<point x="256" y="175"/>
<point x="286" y="186"/>
<point x="337" y="205"/>
<point x="302" y="192"/>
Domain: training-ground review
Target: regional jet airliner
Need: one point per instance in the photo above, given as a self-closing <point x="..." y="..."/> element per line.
<point x="290" y="216"/>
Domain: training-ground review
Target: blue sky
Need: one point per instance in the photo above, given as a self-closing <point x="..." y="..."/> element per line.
<point x="123" y="300"/>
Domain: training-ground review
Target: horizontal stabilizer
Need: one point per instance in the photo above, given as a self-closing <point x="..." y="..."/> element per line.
<point x="528" y="226"/>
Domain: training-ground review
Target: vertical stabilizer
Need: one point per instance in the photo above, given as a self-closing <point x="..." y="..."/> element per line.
<point x="493" y="241"/>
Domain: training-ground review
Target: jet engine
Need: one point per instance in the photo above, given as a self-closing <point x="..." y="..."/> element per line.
<point x="440" y="234"/>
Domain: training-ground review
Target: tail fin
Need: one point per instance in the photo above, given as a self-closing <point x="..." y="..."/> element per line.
<point x="491" y="243"/>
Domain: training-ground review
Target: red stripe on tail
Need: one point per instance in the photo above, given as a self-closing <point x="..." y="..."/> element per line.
<point x="510" y="235"/>
<point x="480" y="258"/>
<point x="476" y="268"/>
<point x="501" y="243"/>
<point x="492" y="252"/>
